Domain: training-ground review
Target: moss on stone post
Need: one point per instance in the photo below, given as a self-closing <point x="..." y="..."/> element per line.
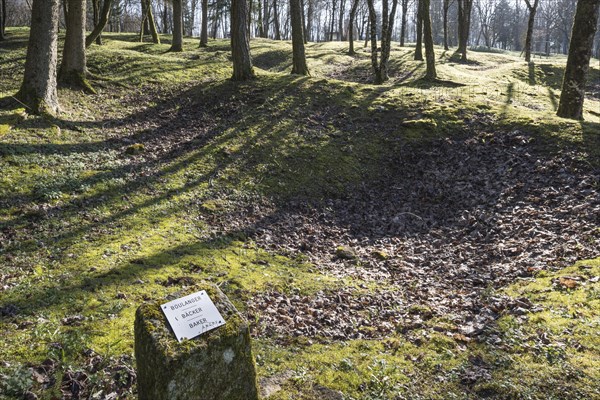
<point x="215" y="365"/>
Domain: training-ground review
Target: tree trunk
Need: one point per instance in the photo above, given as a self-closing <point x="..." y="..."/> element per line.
<point x="446" y="7"/>
<point x="240" y="43"/>
<point x="276" y="20"/>
<point x="431" y="74"/>
<point x="38" y="90"/>
<point x="341" y="36"/>
<point x="299" y="66"/>
<point x="177" y="43"/>
<point x="104" y="14"/>
<point x="96" y="15"/>
<point x="351" y="27"/>
<point x="532" y="9"/>
<point x="215" y="24"/>
<point x="304" y="34"/>
<point x="204" y="29"/>
<point x="403" y="22"/>
<point x="152" y="24"/>
<point x="380" y="67"/>
<point x="73" y="67"/>
<point x="333" y="10"/>
<point x="464" y="26"/>
<point x="419" y="45"/>
<point x="578" y="61"/>
<point x="309" y="20"/>
<point x="2" y="19"/>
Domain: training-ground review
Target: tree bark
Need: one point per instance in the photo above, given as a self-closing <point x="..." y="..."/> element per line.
<point x="95" y="34"/>
<point x="342" y="10"/>
<point x="240" y="43"/>
<point x="403" y="22"/>
<point x="351" y="27"/>
<point x="204" y="29"/>
<point x="73" y="67"/>
<point x="419" y="44"/>
<point x="152" y="23"/>
<point x="380" y="67"/>
<point x="299" y="66"/>
<point x="38" y="90"/>
<point x="2" y="19"/>
<point x="464" y="26"/>
<point x="276" y="21"/>
<point x="446" y="7"/>
<point x="431" y="73"/>
<point x="177" y="43"/>
<point x="532" y="10"/>
<point x="578" y="61"/>
<point x="310" y="12"/>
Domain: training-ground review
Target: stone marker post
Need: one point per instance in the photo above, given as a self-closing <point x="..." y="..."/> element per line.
<point x="216" y="365"/>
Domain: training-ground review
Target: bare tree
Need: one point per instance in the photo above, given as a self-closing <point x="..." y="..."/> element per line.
<point x="464" y="26"/>
<point x="240" y="42"/>
<point x="299" y="66"/>
<point x="73" y="67"/>
<point x="351" y="27"/>
<point x="445" y="8"/>
<point x="380" y="66"/>
<point x="578" y="61"/>
<point x="404" y="21"/>
<point x="431" y="73"/>
<point x="532" y="9"/>
<point x="204" y="29"/>
<point x="419" y="44"/>
<point x="38" y="90"/>
<point x="177" y="42"/>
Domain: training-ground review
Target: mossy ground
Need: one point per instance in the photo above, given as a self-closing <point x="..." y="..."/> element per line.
<point x="92" y="230"/>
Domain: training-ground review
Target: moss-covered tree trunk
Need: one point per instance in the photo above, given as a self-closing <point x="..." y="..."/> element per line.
<point x="152" y="24"/>
<point x="204" y="29"/>
<point x="419" y="45"/>
<point x="431" y="73"/>
<point x="464" y="26"/>
<point x="380" y="65"/>
<point x="38" y="90"/>
<point x="351" y="21"/>
<point x="177" y="42"/>
<point x="95" y="35"/>
<point x="240" y="42"/>
<point x="530" y="23"/>
<point x="73" y="67"/>
<point x="578" y="61"/>
<point x="299" y="66"/>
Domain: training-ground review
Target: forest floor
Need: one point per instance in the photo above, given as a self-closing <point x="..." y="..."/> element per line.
<point x="404" y="241"/>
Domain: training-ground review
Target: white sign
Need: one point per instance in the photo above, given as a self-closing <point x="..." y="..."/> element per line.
<point x="192" y="315"/>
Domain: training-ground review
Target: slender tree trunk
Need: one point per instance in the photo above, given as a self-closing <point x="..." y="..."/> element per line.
<point x="517" y="30"/>
<point x="341" y="21"/>
<point x="165" y="18"/>
<point x="276" y="20"/>
<point x="215" y="24"/>
<point x="304" y="34"/>
<point x="351" y="27"/>
<point x="95" y="34"/>
<point x="446" y="7"/>
<point x="2" y="19"/>
<point x="299" y="66"/>
<point x="333" y="10"/>
<point x="73" y="67"/>
<point x="380" y="67"/>
<point x="464" y="26"/>
<point x="250" y="4"/>
<point x="204" y="29"/>
<point x="96" y="16"/>
<point x="578" y="61"/>
<point x="431" y="73"/>
<point x="259" y="21"/>
<point x="310" y="13"/>
<point x="240" y="43"/>
<point x="419" y="45"/>
<point x="38" y="90"/>
<point x="403" y="22"/>
<point x="532" y="9"/>
<point x="152" y="24"/>
<point x="177" y="43"/>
